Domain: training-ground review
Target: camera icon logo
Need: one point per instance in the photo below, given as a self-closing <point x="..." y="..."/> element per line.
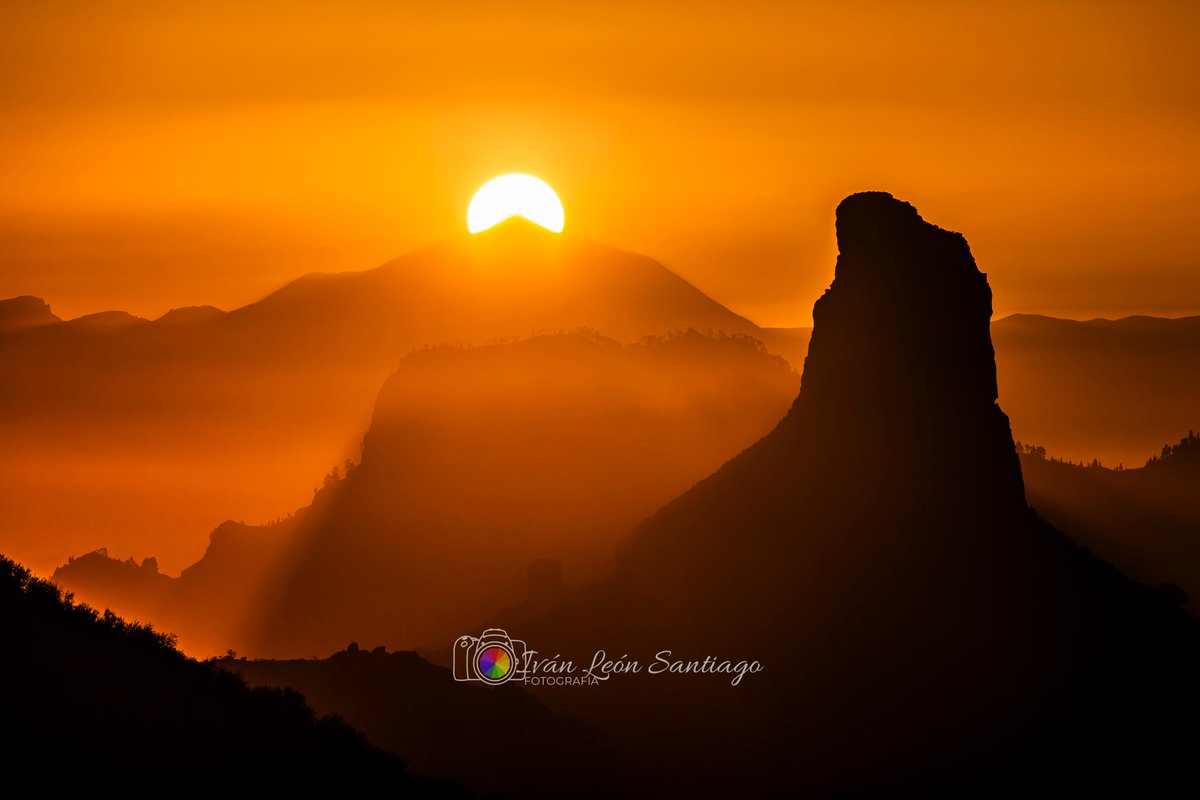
<point x="493" y="657"/>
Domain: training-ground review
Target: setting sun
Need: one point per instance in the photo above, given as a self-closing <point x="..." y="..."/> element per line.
<point x="515" y="195"/>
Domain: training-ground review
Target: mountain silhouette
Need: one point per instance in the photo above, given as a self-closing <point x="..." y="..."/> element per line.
<point x="118" y="584"/>
<point x="119" y="429"/>
<point x="511" y="280"/>
<point x="922" y="631"/>
<point x="93" y="704"/>
<point x="1144" y="519"/>
<point x="25" y="313"/>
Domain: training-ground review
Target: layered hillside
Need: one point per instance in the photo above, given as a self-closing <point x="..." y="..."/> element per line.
<point x="478" y="461"/>
<point x="117" y="429"/>
<point x="1144" y="519"/>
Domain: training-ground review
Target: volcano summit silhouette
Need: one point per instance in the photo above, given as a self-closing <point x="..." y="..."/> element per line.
<point x="921" y="629"/>
<point x="514" y="279"/>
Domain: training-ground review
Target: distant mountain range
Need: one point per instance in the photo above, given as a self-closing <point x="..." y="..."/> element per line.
<point x="141" y="434"/>
<point x="1112" y="390"/>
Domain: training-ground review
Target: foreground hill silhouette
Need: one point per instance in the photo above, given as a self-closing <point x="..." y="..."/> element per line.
<point x="499" y="740"/>
<point x="477" y="462"/>
<point x="1146" y="519"/>
<point x="922" y="630"/>
<point x="95" y="705"/>
<point x="118" y="429"/>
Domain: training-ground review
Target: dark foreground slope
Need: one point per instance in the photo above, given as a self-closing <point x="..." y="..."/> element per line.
<point x="921" y="629"/>
<point x="207" y="606"/>
<point x="1147" y="519"/>
<point x="94" y="705"/>
<point x="489" y="740"/>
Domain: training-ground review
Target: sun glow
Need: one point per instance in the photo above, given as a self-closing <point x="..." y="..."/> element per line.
<point x="515" y="195"/>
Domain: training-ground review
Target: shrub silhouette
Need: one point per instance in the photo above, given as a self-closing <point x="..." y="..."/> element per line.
<point x="1187" y="451"/>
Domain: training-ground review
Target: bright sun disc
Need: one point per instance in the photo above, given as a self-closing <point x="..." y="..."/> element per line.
<point x="515" y="195"/>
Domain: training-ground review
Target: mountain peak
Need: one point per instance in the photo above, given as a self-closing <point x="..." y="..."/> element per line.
<point x="897" y="404"/>
<point x="190" y="315"/>
<point x="872" y="204"/>
<point x="518" y="238"/>
<point x="25" y="312"/>
<point x="887" y="238"/>
<point x="516" y="225"/>
<point x="106" y="321"/>
<point x="901" y="352"/>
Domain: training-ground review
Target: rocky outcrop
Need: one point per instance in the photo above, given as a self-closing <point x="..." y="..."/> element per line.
<point x="895" y="434"/>
<point x="901" y="366"/>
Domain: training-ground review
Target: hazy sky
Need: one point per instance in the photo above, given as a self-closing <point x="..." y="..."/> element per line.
<point x="164" y="154"/>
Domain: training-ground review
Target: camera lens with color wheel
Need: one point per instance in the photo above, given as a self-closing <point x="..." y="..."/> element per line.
<point x="494" y="663"/>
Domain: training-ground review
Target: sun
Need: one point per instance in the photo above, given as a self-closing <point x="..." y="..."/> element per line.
<point x="515" y="195"/>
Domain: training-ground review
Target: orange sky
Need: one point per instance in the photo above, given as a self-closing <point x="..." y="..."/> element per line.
<point x="166" y="154"/>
